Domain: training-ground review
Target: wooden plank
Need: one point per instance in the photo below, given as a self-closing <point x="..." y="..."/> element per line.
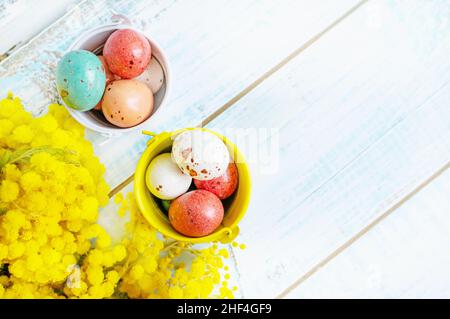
<point x="243" y="28"/>
<point x="362" y="118"/>
<point x="20" y="20"/>
<point x="251" y="25"/>
<point x="217" y="48"/>
<point x="405" y="256"/>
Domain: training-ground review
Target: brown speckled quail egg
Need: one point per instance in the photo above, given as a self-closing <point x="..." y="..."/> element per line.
<point x="153" y="76"/>
<point x="127" y="103"/>
<point x="164" y="179"/>
<point x="200" y="154"/>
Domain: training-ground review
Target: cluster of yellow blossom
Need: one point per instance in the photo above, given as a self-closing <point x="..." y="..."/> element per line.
<point x="160" y="269"/>
<point x="51" y="189"/>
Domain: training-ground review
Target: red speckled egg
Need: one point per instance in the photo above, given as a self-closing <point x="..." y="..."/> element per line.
<point x="222" y="186"/>
<point x="127" y="103"/>
<point x="197" y="213"/>
<point x="98" y="107"/>
<point x="127" y="53"/>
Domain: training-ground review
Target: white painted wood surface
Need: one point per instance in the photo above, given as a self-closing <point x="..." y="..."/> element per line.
<point x="20" y="20"/>
<point x="361" y="118"/>
<point x="405" y="256"/>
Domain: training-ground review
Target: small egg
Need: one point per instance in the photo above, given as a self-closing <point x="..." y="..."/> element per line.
<point x="222" y="186"/>
<point x="153" y="76"/>
<point x="127" y="53"/>
<point x="98" y="107"/>
<point x="164" y="179"/>
<point x="197" y="213"/>
<point x="200" y="154"/>
<point x="127" y="103"/>
<point x="108" y="73"/>
<point x="80" y="80"/>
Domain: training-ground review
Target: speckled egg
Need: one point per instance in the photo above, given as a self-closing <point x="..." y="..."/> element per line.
<point x="197" y="213"/>
<point x="127" y="103"/>
<point x="80" y="80"/>
<point x="200" y="154"/>
<point x="109" y="75"/>
<point x="164" y="179"/>
<point x="127" y="53"/>
<point x="222" y="186"/>
<point x="153" y="76"/>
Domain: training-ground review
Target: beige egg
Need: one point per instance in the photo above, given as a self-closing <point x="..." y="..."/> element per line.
<point x="127" y="103"/>
<point x="153" y="76"/>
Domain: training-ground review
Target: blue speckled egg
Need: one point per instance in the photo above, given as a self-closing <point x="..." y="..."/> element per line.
<point x="80" y="80"/>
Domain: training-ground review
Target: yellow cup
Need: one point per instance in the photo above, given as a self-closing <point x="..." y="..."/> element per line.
<point x="235" y="207"/>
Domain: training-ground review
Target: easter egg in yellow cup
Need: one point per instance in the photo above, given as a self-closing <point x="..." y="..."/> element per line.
<point x="235" y="206"/>
<point x="164" y="179"/>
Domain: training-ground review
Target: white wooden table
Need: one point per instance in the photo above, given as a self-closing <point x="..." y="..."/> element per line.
<point x="350" y="101"/>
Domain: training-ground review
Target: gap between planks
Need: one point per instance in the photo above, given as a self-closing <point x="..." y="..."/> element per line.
<point x="21" y="46"/>
<point x="258" y="81"/>
<point x="364" y="231"/>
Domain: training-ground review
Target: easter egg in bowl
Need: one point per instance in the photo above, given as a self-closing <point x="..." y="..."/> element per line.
<point x="94" y="41"/>
<point x="234" y="207"/>
<point x="80" y="80"/>
<point x="153" y="76"/>
<point x="127" y="103"/>
<point x="127" y="53"/>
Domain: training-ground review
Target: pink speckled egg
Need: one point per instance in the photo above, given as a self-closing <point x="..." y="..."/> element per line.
<point x="222" y="186"/>
<point x="127" y="53"/>
<point x="197" y="213"/>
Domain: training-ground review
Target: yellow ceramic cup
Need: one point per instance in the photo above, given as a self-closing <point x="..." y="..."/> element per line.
<point x="234" y="209"/>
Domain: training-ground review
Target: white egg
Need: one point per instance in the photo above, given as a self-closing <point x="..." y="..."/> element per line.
<point x="153" y="75"/>
<point x="164" y="179"/>
<point x="200" y="154"/>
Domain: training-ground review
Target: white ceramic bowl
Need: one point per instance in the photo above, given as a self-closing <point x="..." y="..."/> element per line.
<point x="93" y="40"/>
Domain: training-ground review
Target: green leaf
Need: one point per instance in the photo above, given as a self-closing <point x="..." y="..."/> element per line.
<point x="4" y="270"/>
<point x="24" y="155"/>
<point x="5" y="156"/>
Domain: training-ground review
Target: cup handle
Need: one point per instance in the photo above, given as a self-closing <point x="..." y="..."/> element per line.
<point x="153" y="136"/>
<point x="120" y="18"/>
<point x="230" y="235"/>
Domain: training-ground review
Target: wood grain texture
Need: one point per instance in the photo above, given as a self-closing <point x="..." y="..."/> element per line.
<point x="20" y="20"/>
<point x="216" y="49"/>
<point x="405" y="256"/>
<point x="346" y="129"/>
<point x="244" y="29"/>
<point x="360" y="118"/>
